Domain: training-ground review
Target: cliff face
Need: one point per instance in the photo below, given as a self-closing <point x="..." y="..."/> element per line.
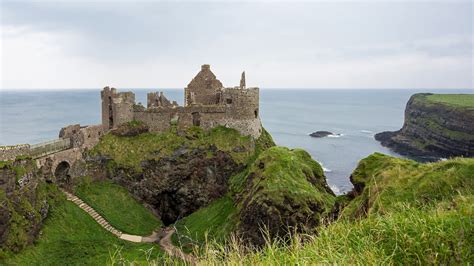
<point x="175" y="173"/>
<point x="23" y="204"/>
<point x="436" y="125"/>
<point x="283" y="191"/>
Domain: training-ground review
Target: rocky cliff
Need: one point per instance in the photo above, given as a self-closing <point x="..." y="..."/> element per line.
<point x="175" y="173"/>
<point x="23" y="204"/>
<point x="284" y="191"/>
<point x="436" y="125"/>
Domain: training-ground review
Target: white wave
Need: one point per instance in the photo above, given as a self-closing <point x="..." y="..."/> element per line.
<point x="335" y="189"/>
<point x="443" y="159"/>
<point x="335" y="135"/>
<point x="367" y="131"/>
<point x="326" y="170"/>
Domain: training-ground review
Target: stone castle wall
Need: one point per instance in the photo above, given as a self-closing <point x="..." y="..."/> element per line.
<point x="8" y="153"/>
<point x="117" y="108"/>
<point x="207" y="104"/>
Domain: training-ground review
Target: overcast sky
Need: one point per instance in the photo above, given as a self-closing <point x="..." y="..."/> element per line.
<point x="149" y="44"/>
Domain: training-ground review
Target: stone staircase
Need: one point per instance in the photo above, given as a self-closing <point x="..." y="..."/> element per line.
<point x="97" y="217"/>
<point x="100" y="220"/>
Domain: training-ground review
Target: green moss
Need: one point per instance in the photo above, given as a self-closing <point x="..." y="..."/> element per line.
<point x="280" y="173"/>
<point x="391" y="183"/>
<point x="25" y="213"/>
<point x="5" y="163"/>
<point x="130" y="151"/>
<point x="22" y="157"/>
<point x="118" y="207"/>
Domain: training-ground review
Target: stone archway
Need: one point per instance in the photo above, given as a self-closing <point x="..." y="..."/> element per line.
<point x="61" y="173"/>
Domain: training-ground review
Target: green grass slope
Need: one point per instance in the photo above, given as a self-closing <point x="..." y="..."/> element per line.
<point x="71" y="237"/>
<point x="458" y="100"/>
<point x="118" y="207"/>
<point x="442" y="235"/>
<point x="214" y="222"/>
<point x="386" y="184"/>
<point x="403" y="213"/>
<point x="284" y="182"/>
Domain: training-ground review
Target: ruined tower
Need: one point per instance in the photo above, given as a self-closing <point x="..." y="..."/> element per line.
<point x="117" y="108"/>
<point x="242" y="81"/>
<point x="204" y="89"/>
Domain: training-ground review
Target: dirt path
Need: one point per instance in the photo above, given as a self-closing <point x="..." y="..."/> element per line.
<point x="172" y="250"/>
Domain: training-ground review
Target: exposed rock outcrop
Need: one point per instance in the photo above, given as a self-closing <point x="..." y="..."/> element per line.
<point x="175" y="173"/>
<point x="434" y="128"/>
<point x="285" y="191"/>
<point x="178" y="185"/>
<point x="23" y="204"/>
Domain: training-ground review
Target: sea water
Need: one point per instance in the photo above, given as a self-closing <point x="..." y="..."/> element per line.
<point x="354" y="116"/>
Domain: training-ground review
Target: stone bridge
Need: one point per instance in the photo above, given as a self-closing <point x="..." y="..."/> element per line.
<point x="62" y="158"/>
<point x="56" y="158"/>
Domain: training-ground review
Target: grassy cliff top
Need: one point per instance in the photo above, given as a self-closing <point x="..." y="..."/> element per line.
<point x="279" y="173"/>
<point x="388" y="184"/>
<point x="455" y="100"/>
<point x="129" y="151"/>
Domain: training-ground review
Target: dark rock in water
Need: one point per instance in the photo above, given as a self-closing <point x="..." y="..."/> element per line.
<point x="320" y="134"/>
<point x="433" y="130"/>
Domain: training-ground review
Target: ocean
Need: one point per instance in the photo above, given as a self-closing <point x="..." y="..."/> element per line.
<point x="354" y="116"/>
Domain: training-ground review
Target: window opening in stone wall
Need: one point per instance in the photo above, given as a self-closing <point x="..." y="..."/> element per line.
<point x="111" y="117"/>
<point x="196" y="119"/>
<point x="229" y="101"/>
<point x="256" y="113"/>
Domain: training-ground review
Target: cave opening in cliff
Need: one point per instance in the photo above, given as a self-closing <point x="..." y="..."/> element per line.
<point x="62" y="173"/>
<point x="168" y="207"/>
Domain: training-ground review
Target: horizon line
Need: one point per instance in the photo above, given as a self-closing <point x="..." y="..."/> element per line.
<point x="263" y="88"/>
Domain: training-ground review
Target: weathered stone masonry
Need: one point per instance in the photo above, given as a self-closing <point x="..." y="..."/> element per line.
<point x="207" y="103"/>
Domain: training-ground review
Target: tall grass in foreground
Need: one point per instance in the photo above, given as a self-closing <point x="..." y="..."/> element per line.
<point x="442" y="235"/>
<point x="410" y="237"/>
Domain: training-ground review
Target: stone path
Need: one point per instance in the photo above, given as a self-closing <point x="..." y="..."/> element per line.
<point x="100" y="220"/>
<point x="164" y="236"/>
<point x="172" y="250"/>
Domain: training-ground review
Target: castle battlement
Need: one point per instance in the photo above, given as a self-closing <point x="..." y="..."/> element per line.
<point x="207" y="103"/>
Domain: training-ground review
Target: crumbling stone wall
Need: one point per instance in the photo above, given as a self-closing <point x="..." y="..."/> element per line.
<point x="8" y="153"/>
<point x="117" y="108"/>
<point x="207" y="104"/>
<point x="84" y="137"/>
<point x="203" y="89"/>
<point x="158" y="99"/>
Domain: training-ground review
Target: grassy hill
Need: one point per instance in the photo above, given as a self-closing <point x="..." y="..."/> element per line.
<point x="282" y="188"/>
<point x="117" y="206"/>
<point x="401" y="212"/>
<point x="71" y="237"/>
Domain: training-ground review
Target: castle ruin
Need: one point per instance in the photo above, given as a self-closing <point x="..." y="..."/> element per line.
<point x="207" y="104"/>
